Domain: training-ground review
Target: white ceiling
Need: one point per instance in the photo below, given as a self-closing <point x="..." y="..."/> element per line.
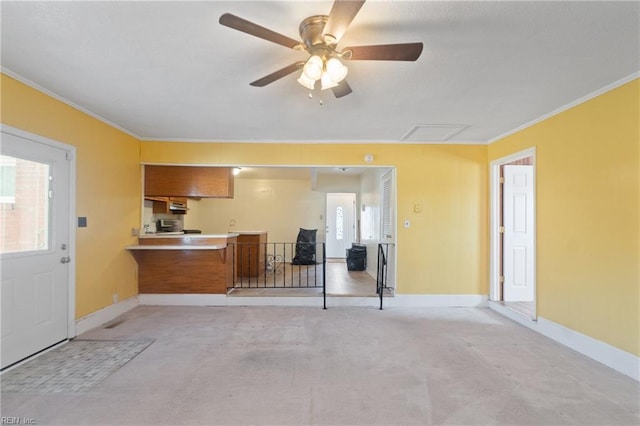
<point x="169" y="71"/>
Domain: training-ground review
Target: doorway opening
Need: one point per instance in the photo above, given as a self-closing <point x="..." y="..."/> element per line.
<point x="513" y="224"/>
<point x="279" y="200"/>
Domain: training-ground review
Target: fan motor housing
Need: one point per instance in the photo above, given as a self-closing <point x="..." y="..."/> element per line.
<point x="311" y="31"/>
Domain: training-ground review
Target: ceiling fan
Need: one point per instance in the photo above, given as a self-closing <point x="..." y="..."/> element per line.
<point x="320" y="35"/>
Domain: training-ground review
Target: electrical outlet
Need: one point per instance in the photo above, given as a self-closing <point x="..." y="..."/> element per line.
<point x="407" y="223"/>
<point x="115" y="298"/>
<point x="135" y="232"/>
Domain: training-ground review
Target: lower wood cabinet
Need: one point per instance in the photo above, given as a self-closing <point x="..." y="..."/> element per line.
<point x="251" y="254"/>
<point x="184" y="269"/>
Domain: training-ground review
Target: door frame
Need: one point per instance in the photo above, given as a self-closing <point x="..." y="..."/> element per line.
<point x="71" y="155"/>
<point x="494" y="223"/>
<point x="392" y="254"/>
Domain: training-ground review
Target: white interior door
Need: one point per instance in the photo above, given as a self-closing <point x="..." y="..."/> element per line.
<point x="518" y="220"/>
<point x="34" y="246"/>
<point x="387" y="229"/>
<point x="340" y="224"/>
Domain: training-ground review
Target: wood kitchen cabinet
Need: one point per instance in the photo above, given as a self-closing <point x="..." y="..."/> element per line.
<point x="161" y="204"/>
<point x="251" y="253"/>
<point x="185" y="264"/>
<point x="188" y="181"/>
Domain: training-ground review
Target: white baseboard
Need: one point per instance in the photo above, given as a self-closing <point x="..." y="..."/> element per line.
<point x="183" y="299"/>
<point x="418" y="300"/>
<point x="104" y="315"/>
<point x="437" y="301"/>
<point x="224" y="300"/>
<point x="621" y="361"/>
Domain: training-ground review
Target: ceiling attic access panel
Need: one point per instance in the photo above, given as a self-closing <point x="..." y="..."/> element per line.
<point x="188" y="181"/>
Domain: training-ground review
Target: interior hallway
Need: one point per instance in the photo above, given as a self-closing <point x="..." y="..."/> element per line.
<point x="285" y="365"/>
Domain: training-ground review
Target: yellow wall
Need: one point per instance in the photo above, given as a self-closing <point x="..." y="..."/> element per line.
<point x="279" y="206"/>
<point x="108" y="190"/>
<point x="445" y="249"/>
<point x="588" y="192"/>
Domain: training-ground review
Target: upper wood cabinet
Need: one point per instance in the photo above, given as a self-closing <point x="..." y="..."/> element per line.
<point x="188" y="181"/>
<point x="161" y="204"/>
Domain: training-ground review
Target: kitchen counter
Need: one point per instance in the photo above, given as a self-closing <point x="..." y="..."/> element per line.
<point x="177" y="247"/>
<point x="182" y="235"/>
<point x="185" y="263"/>
<point x="185" y="241"/>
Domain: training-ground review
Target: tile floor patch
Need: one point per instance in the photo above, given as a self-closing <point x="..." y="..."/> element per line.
<point x="76" y="366"/>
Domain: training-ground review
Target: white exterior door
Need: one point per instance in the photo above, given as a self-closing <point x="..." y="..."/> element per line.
<point x="34" y="246"/>
<point x="518" y="220"/>
<point x="340" y="224"/>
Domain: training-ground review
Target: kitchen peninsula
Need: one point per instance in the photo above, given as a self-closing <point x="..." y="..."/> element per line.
<point x="185" y="263"/>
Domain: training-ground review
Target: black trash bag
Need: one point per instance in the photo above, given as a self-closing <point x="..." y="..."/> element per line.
<point x="305" y="247"/>
<point x="357" y="257"/>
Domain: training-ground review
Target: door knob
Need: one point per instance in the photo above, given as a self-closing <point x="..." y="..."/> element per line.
<point x="65" y="259"/>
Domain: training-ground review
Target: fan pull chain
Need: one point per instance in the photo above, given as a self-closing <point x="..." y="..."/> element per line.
<point x="321" y="100"/>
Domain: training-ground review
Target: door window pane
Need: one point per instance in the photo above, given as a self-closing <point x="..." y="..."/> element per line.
<point x="339" y="223"/>
<point x="24" y="205"/>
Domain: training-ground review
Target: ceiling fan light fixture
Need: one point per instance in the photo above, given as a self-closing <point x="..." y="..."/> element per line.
<point x="319" y="36"/>
<point x="327" y="81"/>
<point x="313" y="68"/>
<point x="336" y="70"/>
<point x="306" y="81"/>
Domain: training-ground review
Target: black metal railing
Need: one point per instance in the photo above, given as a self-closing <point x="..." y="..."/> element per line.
<point x="280" y="265"/>
<point x="381" y="275"/>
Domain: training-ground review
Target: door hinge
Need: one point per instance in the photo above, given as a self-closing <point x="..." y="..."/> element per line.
<point x="69" y="155"/>
<point x="501" y="179"/>
<point x="501" y="229"/>
<point x="502" y="278"/>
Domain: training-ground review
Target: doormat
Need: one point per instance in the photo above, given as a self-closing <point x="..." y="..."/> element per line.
<point x="74" y="367"/>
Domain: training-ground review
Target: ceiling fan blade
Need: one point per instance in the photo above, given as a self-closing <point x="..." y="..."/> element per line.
<point x="341" y="15"/>
<point x="342" y="89"/>
<point x="237" y="23"/>
<point x="385" y="52"/>
<point x="268" y="79"/>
